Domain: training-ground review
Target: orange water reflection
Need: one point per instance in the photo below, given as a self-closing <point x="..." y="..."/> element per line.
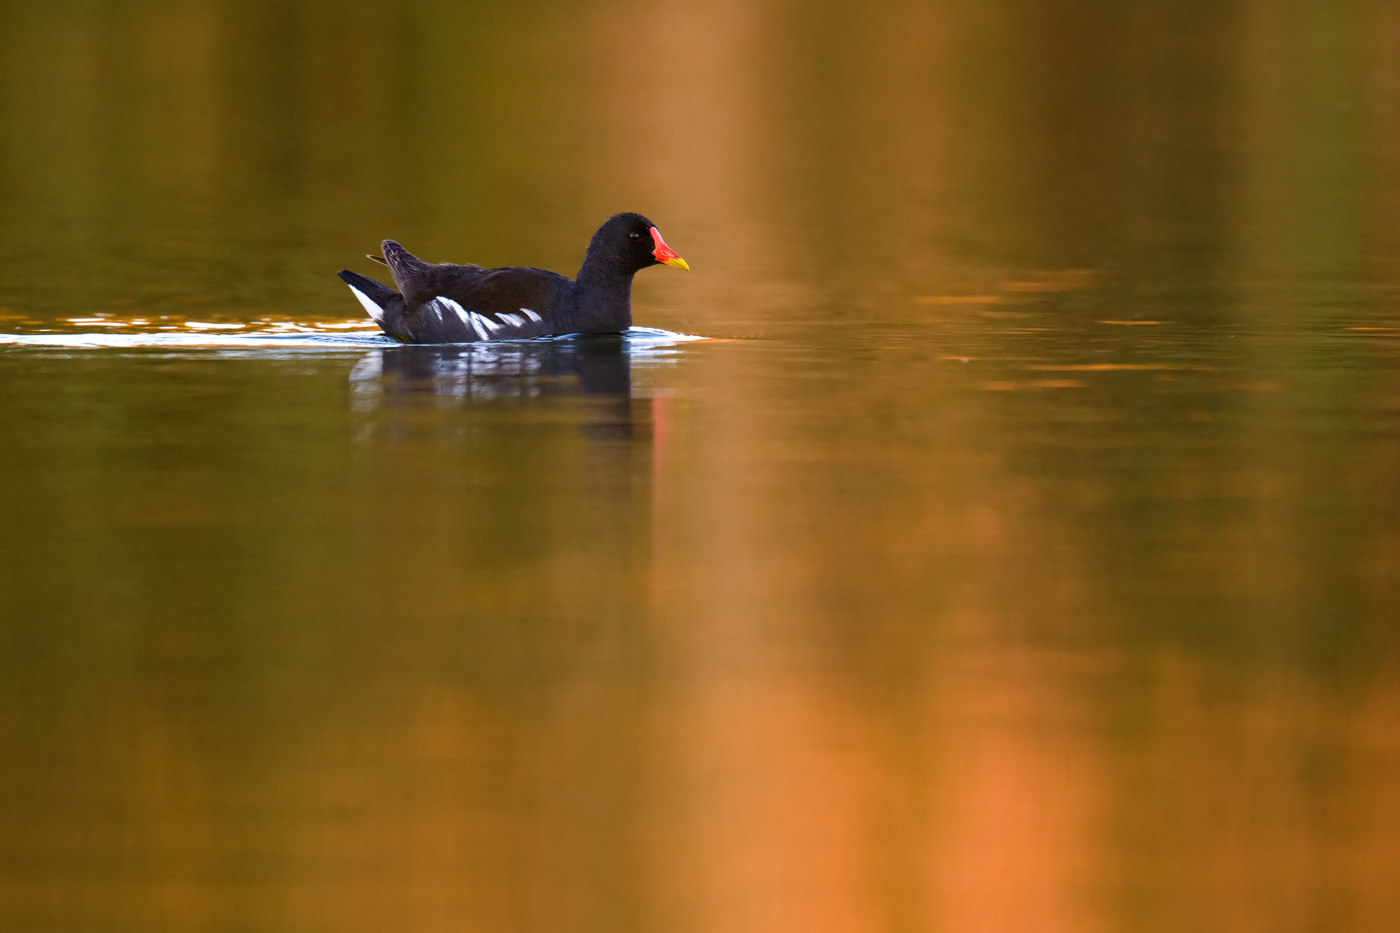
<point x="1023" y="558"/>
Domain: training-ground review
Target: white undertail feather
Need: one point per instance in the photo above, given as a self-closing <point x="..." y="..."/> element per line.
<point x="374" y="310"/>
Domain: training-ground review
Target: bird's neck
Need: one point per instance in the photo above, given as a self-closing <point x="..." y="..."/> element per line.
<point x="602" y="299"/>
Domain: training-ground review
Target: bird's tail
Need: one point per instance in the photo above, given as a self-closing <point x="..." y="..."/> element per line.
<point x="376" y="297"/>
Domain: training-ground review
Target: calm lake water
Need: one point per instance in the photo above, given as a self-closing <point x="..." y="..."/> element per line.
<point x="1019" y="550"/>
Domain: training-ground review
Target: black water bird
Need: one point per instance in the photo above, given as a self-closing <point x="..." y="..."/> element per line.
<point x="447" y="303"/>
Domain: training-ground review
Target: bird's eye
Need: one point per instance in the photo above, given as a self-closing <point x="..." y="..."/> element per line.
<point x="635" y="235"/>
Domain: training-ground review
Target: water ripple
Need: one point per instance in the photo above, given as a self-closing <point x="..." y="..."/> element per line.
<point x="335" y="336"/>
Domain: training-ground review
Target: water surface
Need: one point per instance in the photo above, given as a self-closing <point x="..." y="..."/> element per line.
<point x="1018" y="550"/>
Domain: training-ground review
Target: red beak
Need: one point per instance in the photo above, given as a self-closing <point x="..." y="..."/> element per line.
<point x="664" y="253"/>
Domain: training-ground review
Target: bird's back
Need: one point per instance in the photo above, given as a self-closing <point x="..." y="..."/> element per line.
<point x="449" y="302"/>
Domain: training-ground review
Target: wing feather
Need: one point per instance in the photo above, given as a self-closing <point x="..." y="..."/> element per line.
<point x="465" y="303"/>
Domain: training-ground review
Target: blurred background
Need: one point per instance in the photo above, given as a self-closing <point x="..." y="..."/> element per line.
<point x="1021" y="551"/>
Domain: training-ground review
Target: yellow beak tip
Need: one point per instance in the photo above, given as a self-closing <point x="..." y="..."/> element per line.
<point x="678" y="262"/>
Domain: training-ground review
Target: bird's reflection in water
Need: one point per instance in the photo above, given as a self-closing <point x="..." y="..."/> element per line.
<point x="526" y="375"/>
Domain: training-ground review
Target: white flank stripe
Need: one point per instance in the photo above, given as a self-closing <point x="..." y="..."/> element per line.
<point x="532" y="315"/>
<point x="488" y="322"/>
<point x="374" y="310"/>
<point x="436" y="305"/>
<point x="460" y="311"/>
<point x="476" y="326"/>
<point x="514" y="320"/>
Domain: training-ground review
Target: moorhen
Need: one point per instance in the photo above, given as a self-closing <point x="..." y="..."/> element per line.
<point x="447" y="303"/>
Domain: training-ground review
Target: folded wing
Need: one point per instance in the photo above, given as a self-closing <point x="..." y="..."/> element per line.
<point x="448" y="303"/>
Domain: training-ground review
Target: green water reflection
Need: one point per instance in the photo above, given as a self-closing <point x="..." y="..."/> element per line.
<point x="1021" y="552"/>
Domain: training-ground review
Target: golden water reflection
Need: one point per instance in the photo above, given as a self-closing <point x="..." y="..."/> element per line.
<point x="1021" y="554"/>
<point x="997" y="795"/>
